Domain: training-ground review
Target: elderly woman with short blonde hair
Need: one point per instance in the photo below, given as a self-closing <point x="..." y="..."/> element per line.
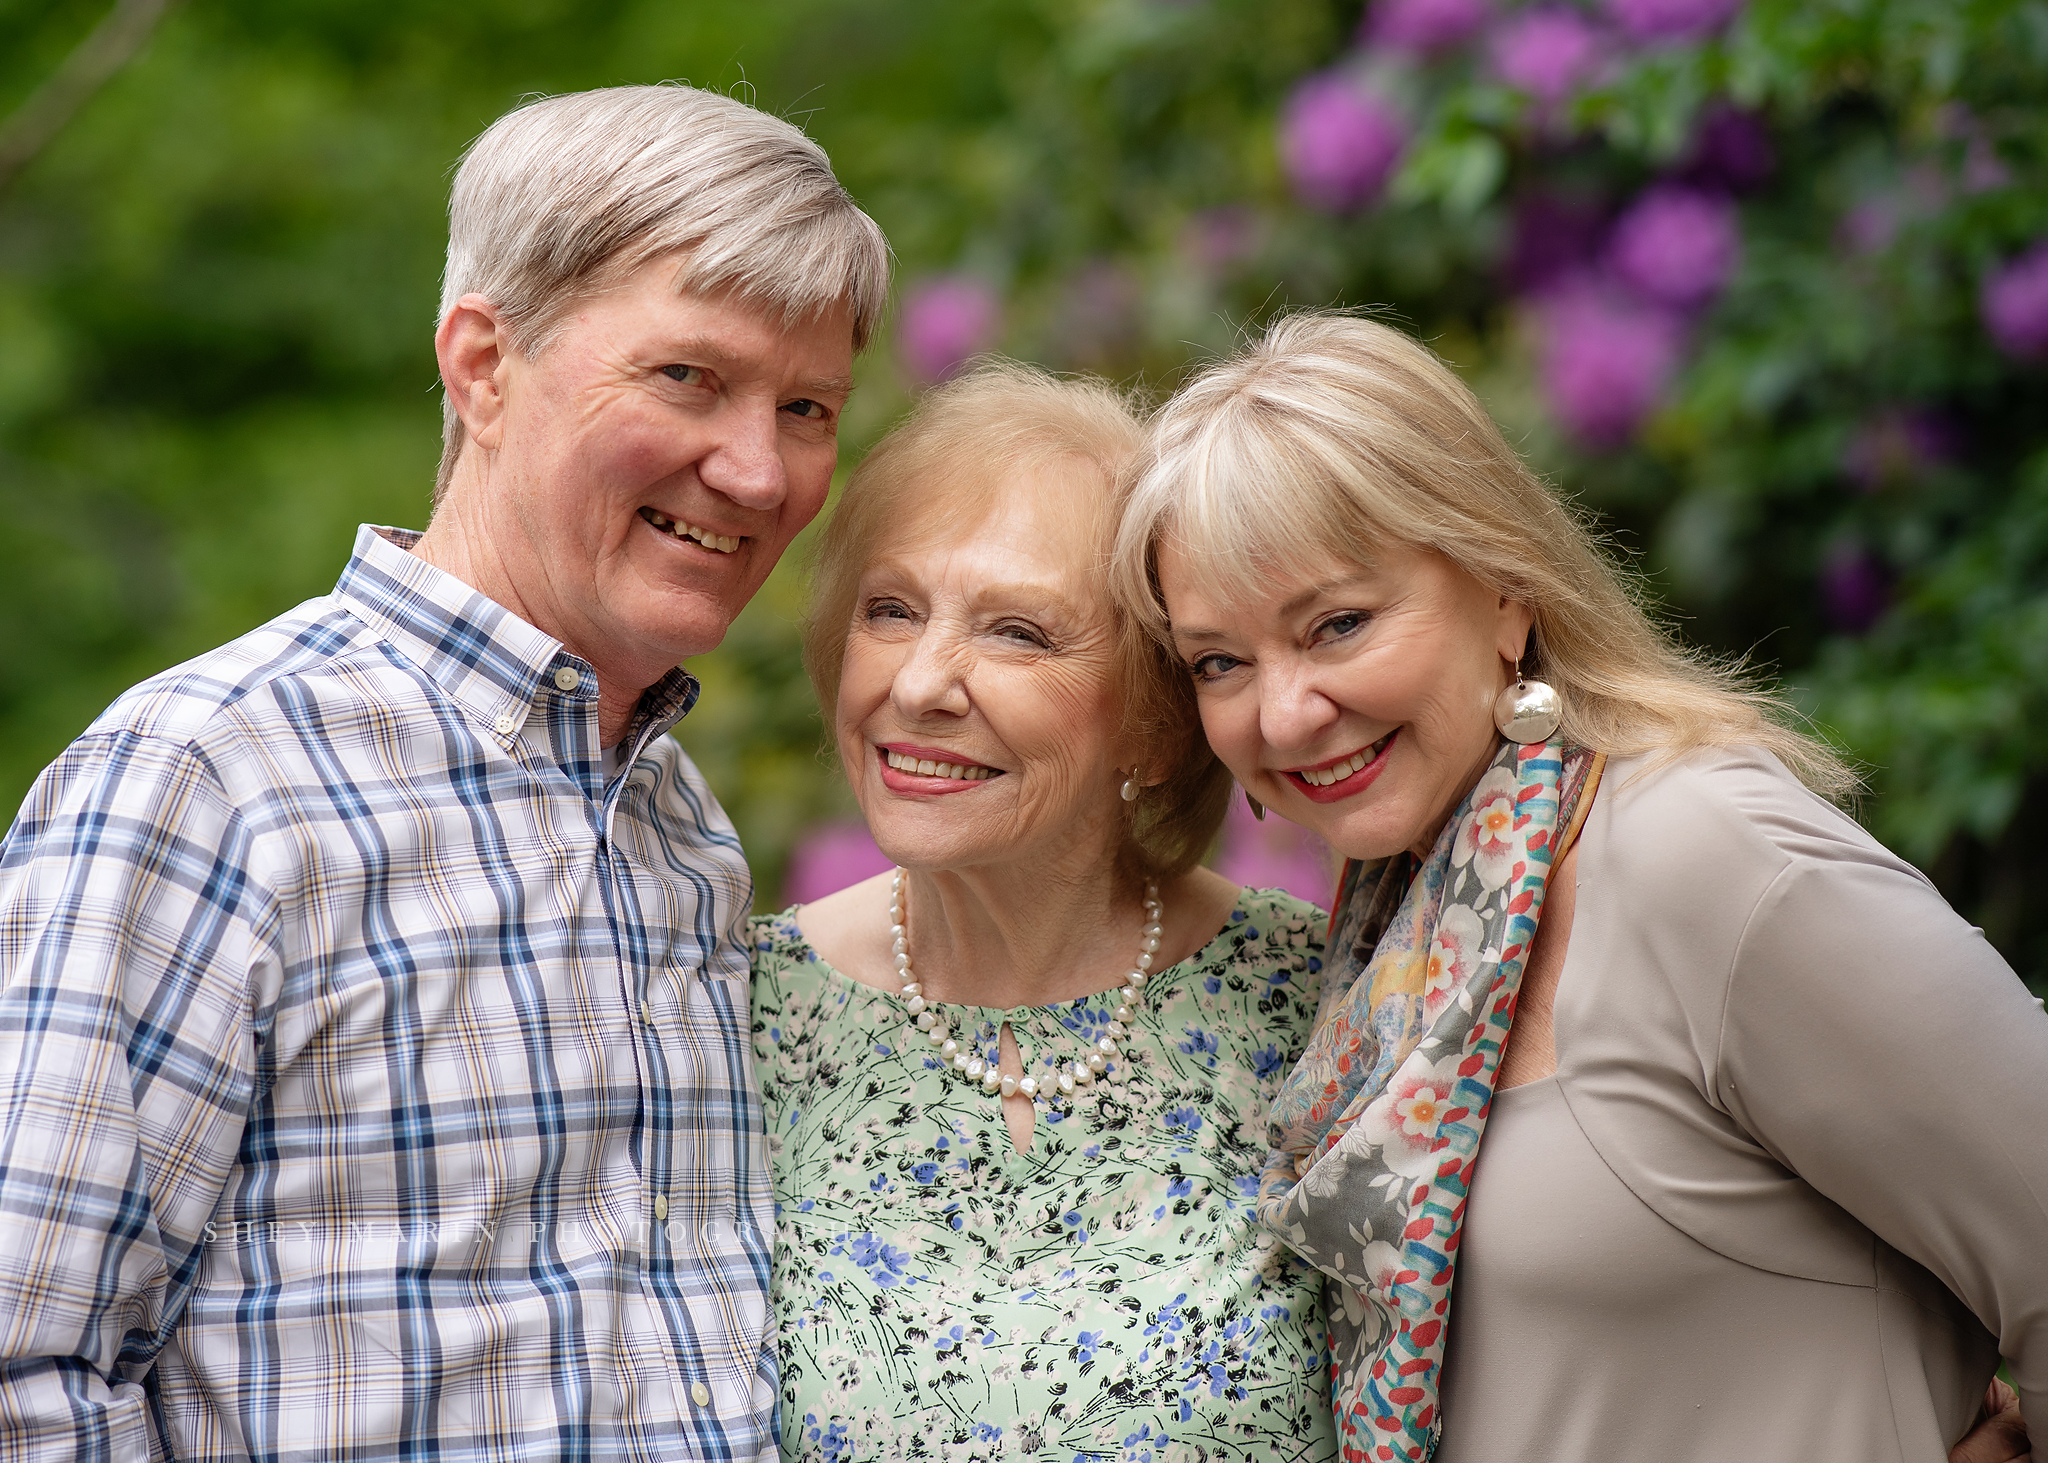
<point x="1016" y="1090"/>
<point x="1760" y="1115"/>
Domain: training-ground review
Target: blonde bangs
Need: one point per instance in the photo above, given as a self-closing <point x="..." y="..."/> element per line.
<point x="1333" y="436"/>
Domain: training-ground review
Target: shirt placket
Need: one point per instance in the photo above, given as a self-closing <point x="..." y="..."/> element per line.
<point x="671" y="1397"/>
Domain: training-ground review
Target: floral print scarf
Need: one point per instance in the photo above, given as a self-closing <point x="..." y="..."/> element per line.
<point x="1375" y="1132"/>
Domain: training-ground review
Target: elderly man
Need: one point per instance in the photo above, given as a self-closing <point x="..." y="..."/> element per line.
<point x="373" y="1041"/>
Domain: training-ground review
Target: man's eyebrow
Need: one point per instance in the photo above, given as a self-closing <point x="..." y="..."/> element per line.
<point x="841" y="386"/>
<point x="701" y="350"/>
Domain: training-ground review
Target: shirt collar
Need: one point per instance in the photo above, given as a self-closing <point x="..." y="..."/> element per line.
<point x="485" y="658"/>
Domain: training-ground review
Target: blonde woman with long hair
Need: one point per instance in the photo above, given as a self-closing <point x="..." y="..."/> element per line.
<point x="1761" y="1117"/>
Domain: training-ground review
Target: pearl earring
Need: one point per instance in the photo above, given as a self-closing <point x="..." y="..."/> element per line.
<point x="1528" y="711"/>
<point x="1130" y="787"/>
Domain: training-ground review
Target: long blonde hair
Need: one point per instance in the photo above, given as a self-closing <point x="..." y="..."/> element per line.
<point x="1335" y="434"/>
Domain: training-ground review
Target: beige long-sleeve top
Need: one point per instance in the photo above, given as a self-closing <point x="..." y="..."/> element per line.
<point x="1787" y="1194"/>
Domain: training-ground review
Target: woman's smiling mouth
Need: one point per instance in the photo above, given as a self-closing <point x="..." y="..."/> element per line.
<point x="1344" y="776"/>
<point x="917" y="769"/>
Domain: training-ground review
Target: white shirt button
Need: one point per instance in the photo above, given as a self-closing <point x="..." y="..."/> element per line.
<point x="567" y="678"/>
<point x="661" y="1206"/>
<point x="646" y="1013"/>
<point x="700" y="1394"/>
<point x="505" y="726"/>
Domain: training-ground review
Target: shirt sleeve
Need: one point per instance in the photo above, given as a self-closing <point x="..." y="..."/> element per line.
<point x="129" y="928"/>
<point x="1881" y="1049"/>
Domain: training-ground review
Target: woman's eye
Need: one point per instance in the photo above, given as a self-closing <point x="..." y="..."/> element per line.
<point x="809" y="410"/>
<point x="887" y="609"/>
<point x="688" y="375"/>
<point x="1339" y="625"/>
<point x="1024" y="635"/>
<point x="1210" y="667"/>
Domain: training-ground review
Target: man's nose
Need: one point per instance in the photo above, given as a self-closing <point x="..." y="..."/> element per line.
<point x="745" y="463"/>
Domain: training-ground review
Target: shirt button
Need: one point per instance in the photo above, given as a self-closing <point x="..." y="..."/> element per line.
<point x="567" y="678"/>
<point x="505" y="726"/>
<point x="661" y="1206"/>
<point x="700" y="1394"/>
<point x="646" y="1013"/>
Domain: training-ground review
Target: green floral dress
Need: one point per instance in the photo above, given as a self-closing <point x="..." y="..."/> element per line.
<point x="1108" y="1295"/>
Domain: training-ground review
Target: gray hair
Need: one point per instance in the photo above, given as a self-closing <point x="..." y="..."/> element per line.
<point x="1335" y="434"/>
<point x="565" y="197"/>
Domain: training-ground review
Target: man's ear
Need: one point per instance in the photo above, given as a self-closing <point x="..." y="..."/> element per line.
<point x="472" y="346"/>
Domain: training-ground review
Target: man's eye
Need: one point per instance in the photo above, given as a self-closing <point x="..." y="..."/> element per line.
<point x="1339" y="625"/>
<point x="808" y="409"/>
<point x="688" y="375"/>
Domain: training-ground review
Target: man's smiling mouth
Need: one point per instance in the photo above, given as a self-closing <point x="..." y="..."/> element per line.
<point x="716" y="542"/>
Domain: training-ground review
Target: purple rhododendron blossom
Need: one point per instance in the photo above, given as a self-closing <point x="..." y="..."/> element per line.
<point x="1731" y="150"/>
<point x="1672" y="20"/>
<point x="1423" y="26"/>
<point x="1855" y="589"/>
<point x="1870" y="226"/>
<point x="1275" y="854"/>
<point x="1983" y="169"/>
<point x="2015" y="304"/>
<point x="1217" y="239"/>
<point x="1100" y="312"/>
<point x="1339" y="142"/>
<point x="1899" y="445"/>
<point x="1546" y="52"/>
<point x="1606" y="360"/>
<point x="1677" y="245"/>
<point x="946" y="321"/>
<point x="1553" y="238"/>
<point x="829" y="857"/>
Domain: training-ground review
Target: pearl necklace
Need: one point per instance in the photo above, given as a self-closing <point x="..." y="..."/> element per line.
<point x="1073" y="1079"/>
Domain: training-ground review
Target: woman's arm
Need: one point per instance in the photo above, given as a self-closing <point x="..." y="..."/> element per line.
<point x="1881" y="1050"/>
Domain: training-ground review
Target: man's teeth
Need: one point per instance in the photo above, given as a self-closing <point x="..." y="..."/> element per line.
<point x="1330" y="775"/>
<point x="926" y="767"/>
<point x="723" y="543"/>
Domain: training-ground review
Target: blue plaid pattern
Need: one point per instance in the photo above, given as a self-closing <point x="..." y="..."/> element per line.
<point x="375" y="1080"/>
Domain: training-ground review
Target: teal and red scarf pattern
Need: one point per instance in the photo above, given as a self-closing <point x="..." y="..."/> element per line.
<point x="1375" y="1132"/>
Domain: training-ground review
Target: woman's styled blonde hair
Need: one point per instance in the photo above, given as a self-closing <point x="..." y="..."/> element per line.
<point x="936" y="477"/>
<point x="1333" y="435"/>
<point x="565" y="197"/>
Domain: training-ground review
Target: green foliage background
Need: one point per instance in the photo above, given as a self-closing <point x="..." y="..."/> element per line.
<point x="217" y="292"/>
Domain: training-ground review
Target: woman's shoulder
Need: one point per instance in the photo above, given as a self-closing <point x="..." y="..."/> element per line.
<point x="1276" y="907"/>
<point x="780" y="955"/>
<point x="1684" y="850"/>
<point x="777" y="936"/>
<point x="1267" y="959"/>
<point x="1734" y="807"/>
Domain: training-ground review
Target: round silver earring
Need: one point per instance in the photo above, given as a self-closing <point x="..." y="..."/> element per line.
<point x="1130" y="787"/>
<point x="1528" y="711"/>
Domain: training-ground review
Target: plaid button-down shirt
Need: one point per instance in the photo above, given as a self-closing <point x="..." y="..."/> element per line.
<point x="374" y="1079"/>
